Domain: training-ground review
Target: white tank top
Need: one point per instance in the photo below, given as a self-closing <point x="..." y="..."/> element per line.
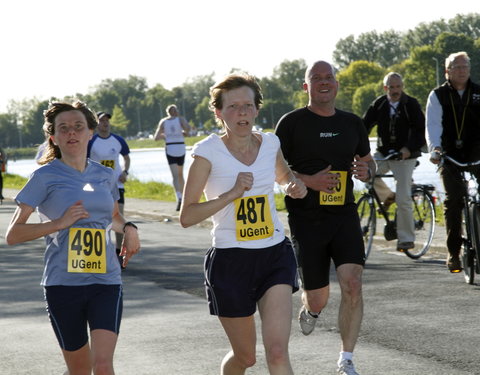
<point x="250" y="222"/>
<point x="174" y="140"/>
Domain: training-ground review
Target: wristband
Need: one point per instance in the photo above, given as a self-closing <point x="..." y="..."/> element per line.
<point x="126" y="172"/>
<point x="129" y="224"/>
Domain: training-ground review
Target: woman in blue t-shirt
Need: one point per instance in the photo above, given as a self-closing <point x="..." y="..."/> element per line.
<point x="76" y="199"/>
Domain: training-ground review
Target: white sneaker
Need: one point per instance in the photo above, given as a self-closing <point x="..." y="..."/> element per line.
<point x="307" y="321"/>
<point x="346" y="368"/>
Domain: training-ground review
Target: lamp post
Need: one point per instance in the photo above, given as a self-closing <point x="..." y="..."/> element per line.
<point x="436" y="70"/>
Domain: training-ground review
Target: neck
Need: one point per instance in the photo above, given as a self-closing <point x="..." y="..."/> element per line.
<point x="240" y="144"/>
<point x="103" y="134"/>
<point x="79" y="163"/>
<point x="459" y="86"/>
<point x="324" y="109"/>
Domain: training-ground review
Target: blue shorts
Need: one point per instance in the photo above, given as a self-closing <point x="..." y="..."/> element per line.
<point x="121" y="192"/>
<point x="71" y="308"/>
<point x="336" y="237"/>
<point x="179" y="160"/>
<point x="236" y="278"/>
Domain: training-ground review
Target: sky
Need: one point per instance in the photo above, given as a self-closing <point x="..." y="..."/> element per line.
<point x="55" y="48"/>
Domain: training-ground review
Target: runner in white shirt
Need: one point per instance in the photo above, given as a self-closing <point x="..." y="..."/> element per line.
<point x="173" y="129"/>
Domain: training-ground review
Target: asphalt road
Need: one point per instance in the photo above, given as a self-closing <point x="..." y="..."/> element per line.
<point x="419" y="319"/>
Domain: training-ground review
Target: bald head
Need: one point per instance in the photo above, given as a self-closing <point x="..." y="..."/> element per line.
<point x="314" y="65"/>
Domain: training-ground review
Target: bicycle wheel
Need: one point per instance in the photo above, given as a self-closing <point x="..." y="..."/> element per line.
<point x="467" y="252"/>
<point x="424" y="222"/>
<point x="368" y="221"/>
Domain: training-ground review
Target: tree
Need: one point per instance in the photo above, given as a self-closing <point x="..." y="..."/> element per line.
<point x="385" y="49"/>
<point x="364" y="96"/>
<point x="357" y="74"/>
<point x="119" y="121"/>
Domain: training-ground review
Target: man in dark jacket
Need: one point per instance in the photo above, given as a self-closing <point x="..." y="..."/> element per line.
<point x="400" y="128"/>
<point x="453" y="119"/>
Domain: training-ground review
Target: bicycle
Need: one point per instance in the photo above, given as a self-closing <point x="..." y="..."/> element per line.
<point x="423" y="205"/>
<point x="470" y="253"/>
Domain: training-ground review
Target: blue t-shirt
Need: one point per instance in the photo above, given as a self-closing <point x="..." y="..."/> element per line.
<point x="84" y="253"/>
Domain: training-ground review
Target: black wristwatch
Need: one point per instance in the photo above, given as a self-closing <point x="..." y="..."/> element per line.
<point x="129" y="224"/>
<point x="125" y="171"/>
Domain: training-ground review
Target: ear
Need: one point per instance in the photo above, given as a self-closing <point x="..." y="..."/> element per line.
<point x="305" y="86"/>
<point x="218" y="113"/>
<point x="52" y="138"/>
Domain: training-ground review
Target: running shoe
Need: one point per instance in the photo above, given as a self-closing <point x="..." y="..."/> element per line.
<point x="346" y="368"/>
<point x="454" y="264"/>
<point x="307" y="321"/>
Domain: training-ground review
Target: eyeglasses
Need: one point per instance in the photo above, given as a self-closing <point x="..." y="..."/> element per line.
<point x="460" y="67"/>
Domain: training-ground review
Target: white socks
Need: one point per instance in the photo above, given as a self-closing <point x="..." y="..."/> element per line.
<point x="343" y="356"/>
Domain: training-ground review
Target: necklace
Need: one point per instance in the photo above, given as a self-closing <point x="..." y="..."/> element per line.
<point x="459" y="141"/>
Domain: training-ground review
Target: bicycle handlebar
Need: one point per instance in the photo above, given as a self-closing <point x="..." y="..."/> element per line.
<point x="395" y="155"/>
<point x="458" y="164"/>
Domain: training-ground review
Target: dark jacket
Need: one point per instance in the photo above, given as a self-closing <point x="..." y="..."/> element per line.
<point x="406" y="129"/>
<point x="467" y="110"/>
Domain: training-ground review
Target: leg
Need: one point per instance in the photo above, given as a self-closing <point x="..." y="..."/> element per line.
<point x="453" y="206"/>
<point x="351" y="305"/>
<point x="242" y="336"/>
<point x="403" y="170"/>
<point x="103" y="347"/>
<point x="275" y="309"/>
<point x="380" y="186"/>
<point x="78" y="361"/>
<point x="177" y="175"/>
<point x="315" y="300"/>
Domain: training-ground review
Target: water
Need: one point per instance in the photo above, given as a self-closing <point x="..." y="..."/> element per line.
<point x="151" y="165"/>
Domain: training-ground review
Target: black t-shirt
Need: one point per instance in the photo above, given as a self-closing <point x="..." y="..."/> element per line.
<point x="311" y="143"/>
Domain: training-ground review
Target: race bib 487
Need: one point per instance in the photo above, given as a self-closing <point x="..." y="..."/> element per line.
<point x="253" y="220"/>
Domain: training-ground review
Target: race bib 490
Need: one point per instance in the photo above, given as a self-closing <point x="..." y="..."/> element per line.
<point x="253" y="220"/>
<point x="87" y="250"/>
<point x="337" y="198"/>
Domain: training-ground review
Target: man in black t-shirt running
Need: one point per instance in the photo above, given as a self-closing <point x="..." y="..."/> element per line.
<point x="325" y="147"/>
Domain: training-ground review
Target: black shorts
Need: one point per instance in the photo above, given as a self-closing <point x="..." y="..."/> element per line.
<point x="336" y="237"/>
<point x="121" y="192"/>
<point x="179" y="160"/>
<point x="237" y="278"/>
<point x="71" y="308"/>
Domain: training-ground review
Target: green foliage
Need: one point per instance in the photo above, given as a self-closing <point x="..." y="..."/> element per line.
<point x="364" y="96"/>
<point x="357" y="74"/>
<point x="13" y="181"/>
<point x="119" y="121"/>
<point x="362" y="61"/>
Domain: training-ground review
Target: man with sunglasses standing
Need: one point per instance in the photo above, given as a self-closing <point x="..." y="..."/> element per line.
<point x="453" y="127"/>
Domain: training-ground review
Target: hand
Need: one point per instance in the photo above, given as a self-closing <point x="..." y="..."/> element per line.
<point x="435" y="156"/>
<point x="130" y="244"/>
<point x="123" y="177"/>
<point x="360" y="169"/>
<point x="243" y="183"/>
<point x="73" y="213"/>
<point x="323" y="180"/>
<point x="296" y="189"/>
<point x="405" y="153"/>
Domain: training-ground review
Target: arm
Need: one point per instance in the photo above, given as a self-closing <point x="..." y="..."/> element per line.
<point x="193" y="211"/>
<point x="131" y="241"/>
<point x="292" y="186"/>
<point x="19" y="231"/>
<point x="126" y="167"/>
<point x="434" y="114"/>
<point x="159" y="133"/>
<point x="185" y="126"/>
